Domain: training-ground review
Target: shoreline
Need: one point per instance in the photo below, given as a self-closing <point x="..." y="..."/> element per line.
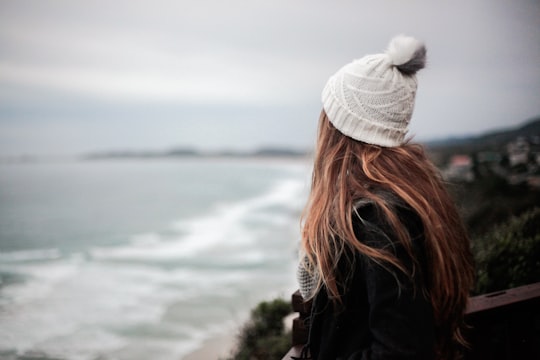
<point x="214" y="348"/>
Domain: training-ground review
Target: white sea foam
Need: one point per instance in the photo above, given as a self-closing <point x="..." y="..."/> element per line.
<point x="170" y="287"/>
<point x="49" y="311"/>
<point x="29" y="255"/>
<point x="224" y="226"/>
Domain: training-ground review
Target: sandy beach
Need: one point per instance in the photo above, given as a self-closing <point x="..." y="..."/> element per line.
<point x="213" y="349"/>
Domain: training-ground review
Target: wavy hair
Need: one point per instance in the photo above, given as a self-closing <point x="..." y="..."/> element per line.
<point x="347" y="171"/>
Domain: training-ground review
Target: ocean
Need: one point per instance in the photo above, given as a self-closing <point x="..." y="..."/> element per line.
<point x="142" y="259"/>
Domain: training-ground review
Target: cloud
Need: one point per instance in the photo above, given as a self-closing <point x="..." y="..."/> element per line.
<point x="213" y="84"/>
<point x="62" y="60"/>
<point x="118" y="63"/>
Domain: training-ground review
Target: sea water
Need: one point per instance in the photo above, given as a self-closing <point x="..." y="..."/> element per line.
<point x="142" y="259"/>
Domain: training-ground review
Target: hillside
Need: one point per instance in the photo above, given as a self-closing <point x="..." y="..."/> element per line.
<point x="492" y="141"/>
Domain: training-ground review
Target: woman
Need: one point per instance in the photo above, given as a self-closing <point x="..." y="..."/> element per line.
<point x="387" y="260"/>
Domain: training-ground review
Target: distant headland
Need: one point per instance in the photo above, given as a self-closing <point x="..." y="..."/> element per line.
<point x="491" y="141"/>
<point x="269" y="152"/>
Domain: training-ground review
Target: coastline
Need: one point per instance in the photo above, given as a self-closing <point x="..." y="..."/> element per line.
<point x="218" y="347"/>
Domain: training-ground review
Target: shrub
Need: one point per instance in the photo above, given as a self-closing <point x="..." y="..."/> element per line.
<point x="264" y="336"/>
<point x="509" y="254"/>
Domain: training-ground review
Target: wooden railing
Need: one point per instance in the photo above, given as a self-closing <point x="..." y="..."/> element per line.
<point x="504" y="325"/>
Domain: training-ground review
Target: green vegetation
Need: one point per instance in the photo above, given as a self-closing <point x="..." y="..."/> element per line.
<point x="264" y="336"/>
<point x="490" y="200"/>
<point x="500" y="204"/>
<point x="503" y="221"/>
<point x="509" y="254"/>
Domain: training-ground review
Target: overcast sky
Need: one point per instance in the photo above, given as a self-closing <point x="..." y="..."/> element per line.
<point x="80" y="76"/>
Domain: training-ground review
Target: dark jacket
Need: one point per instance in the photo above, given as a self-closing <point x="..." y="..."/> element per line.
<point x="385" y="314"/>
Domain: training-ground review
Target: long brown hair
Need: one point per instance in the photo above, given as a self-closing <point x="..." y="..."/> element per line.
<point x="346" y="171"/>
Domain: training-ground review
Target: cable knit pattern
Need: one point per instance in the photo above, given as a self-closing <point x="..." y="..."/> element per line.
<point x="372" y="99"/>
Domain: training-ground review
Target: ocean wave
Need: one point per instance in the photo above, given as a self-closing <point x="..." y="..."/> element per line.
<point x="171" y="288"/>
<point x="29" y="255"/>
<point x="226" y="227"/>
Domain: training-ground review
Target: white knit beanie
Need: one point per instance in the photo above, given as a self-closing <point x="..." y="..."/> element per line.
<point x="372" y="99"/>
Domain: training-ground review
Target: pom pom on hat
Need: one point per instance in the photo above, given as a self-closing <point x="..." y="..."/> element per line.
<point x="407" y="54"/>
<point x="372" y="98"/>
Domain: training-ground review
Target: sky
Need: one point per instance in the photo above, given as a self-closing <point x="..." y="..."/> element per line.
<point x="105" y="75"/>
